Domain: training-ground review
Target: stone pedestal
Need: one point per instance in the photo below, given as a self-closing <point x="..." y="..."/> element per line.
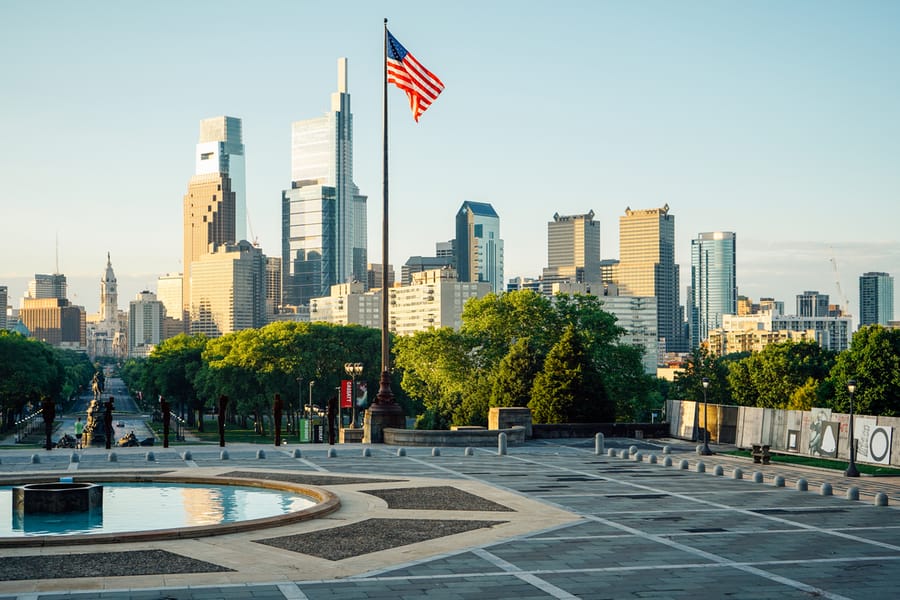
<point x="351" y="435"/>
<point x="57" y="498"/>
<point x="381" y="416"/>
<point x="507" y="417"/>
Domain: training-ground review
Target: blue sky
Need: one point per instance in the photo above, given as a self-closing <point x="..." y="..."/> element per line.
<point x="779" y="121"/>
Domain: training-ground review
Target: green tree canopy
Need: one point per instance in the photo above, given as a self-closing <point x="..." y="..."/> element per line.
<point x="772" y="377"/>
<point x="873" y="360"/>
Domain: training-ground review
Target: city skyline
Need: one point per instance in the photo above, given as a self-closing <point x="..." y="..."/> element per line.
<point x="777" y="122"/>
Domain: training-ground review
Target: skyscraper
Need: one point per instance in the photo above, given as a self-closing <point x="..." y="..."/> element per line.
<point x="4" y="300"/>
<point x="713" y="283"/>
<point x="647" y="268"/>
<point x="573" y="250"/>
<point x="220" y="150"/>
<point x="324" y="221"/>
<point x="47" y="286"/>
<point x="811" y="303"/>
<point x="479" y="249"/>
<point x="146" y="316"/>
<point x="876" y="298"/>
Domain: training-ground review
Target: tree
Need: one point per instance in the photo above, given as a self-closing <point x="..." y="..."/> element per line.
<point x="29" y="370"/>
<point x="172" y="368"/>
<point x="771" y="377"/>
<point x="873" y="360"/>
<point x="515" y="375"/>
<point x="569" y="389"/>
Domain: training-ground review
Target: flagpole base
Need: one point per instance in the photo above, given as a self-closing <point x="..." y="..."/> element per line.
<point x="384" y="413"/>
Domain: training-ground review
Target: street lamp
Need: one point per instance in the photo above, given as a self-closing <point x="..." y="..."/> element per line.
<point x="296" y="416"/>
<point x="705" y="451"/>
<point x="851" y="467"/>
<point x="309" y="425"/>
<point x="354" y="370"/>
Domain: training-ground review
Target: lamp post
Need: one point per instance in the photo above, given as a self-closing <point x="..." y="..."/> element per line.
<point x="705" y="451"/>
<point x="851" y="467"/>
<point x="296" y="416"/>
<point x="309" y="425"/>
<point x="354" y="370"/>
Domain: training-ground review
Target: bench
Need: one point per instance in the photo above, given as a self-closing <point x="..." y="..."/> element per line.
<point x="760" y="454"/>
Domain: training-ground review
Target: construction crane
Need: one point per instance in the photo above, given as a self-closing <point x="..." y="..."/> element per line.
<point x="845" y="304"/>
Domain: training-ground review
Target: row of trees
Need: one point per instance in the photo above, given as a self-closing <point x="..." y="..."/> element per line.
<point x="31" y="370"/>
<point x="802" y="375"/>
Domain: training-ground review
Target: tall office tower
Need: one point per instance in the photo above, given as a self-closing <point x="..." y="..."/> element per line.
<point x="273" y="287"/>
<point x="573" y="250"/>
<point x="54" y="320"/>
<point x="876" y="298"/>
<point x="4" y="300"/>
<point x="228" y="292"/>
<point x="647" y="268"/>
<point x="713" y="283"/>
<point x="375" y="276"/>
<point x="210" y="205"/>
<point x="445" y="249"/>
<point x="146" y="317"/>
<point x="812" y="304"/>
<point x="323" y="215"/>
<point x="169" y="292"/>
<point x="479" y="249"/>
<point x="47" y="286"/>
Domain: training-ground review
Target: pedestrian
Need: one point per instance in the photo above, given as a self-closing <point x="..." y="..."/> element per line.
<point x="79" y="430"/>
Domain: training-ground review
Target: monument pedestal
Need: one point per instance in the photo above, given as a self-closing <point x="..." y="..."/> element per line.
<point x="380" y="416"/>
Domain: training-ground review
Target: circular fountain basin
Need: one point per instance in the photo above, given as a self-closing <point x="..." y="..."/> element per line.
<point x="57" y="498"/>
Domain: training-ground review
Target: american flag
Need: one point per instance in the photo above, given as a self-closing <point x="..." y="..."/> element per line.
<point x="403" y="70"/>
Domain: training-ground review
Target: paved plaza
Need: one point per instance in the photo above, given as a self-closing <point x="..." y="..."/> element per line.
<point x="550" y="519"/>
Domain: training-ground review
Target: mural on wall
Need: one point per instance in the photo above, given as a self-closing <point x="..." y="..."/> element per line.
<point x="823" y="433"/>
<point x="873" y="441"/>
<point x="793" y="441"/>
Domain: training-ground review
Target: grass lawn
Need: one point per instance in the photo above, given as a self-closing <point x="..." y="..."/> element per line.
<point x="824" y="463"/>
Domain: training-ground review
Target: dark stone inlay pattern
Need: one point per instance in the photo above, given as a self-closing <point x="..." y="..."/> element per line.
<point x="306" y="479"/>
<point x="372" y="535"/>
<point x="102" y="564"/>
<point x="442" y="497"/>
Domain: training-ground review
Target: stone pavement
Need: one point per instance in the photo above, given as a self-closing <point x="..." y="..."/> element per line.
<point x="577" y="525"/>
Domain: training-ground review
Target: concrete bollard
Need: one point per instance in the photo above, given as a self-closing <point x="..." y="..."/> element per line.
<point x="683" y="465"/>
<point x="667" y="450"/>
<point x="223" y="455"/>
<point x="367" y="452"/>
<point x="758" y="477"/>
<point x="74" y="458"/>
<point x="151" y="457"/>
<point x="699" y="449"/>
<point x="718" y="471"/>
<point x="187" y="455"/>
<point x="624" y="454"/>
<point x="260" y="454"/>
<point x="296" y="453"/>
<point x="852" y="493"/>
<point x="401" y="451"/>
<point x="653" y="459"/>
<point x="737" y="474"/>
<point x="667" y="462"/>
<point x="632" y="449"/>
<point x="332" y="453"/>
<point x="35" y="459"/>
<point x="638" y="457"/>
<point x="700" y="467"/>
<point x="881" y="499"/>
<point x="611" y="452"/>
<point x="435" y="451"/>
<point x="469" y="452"/>
<point x="501" y="444"/>
<point x="802" y="485"/>
<point x="598" y="443"/>
<point x="826" y="489"/>
<point x="778" y="481"/>
<point x="111" y="457"/>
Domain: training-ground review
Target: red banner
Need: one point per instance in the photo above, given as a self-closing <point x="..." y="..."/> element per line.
<point x="346" y="393"/>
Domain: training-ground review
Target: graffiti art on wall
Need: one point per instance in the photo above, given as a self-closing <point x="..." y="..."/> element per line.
<point x="873" y="441"/>
<point x="823" y="433"/>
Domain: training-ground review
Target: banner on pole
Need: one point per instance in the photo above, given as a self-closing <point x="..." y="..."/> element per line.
<point x="346" y="393"/>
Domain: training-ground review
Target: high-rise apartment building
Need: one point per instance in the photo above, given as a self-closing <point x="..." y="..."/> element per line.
<point x="876" y="298"/>
<point x="375" y="276"/>
<point x="713" y="283"/>
<point x="214" y="192"/>
<point x="146" y="318"/>
<point x="812" y="304"/>
<point x="4" y="301"/>
<point x="647" y="267"/>
<point x="169" y="292"/>
<point x="47" y="286"/>
<point x="228" y="291"/>
<point x="435" y="299"/>
<point x="573" y="249"/>
<point x="479" y="249"/>
<point x="273" y="287"/>
<point x="324" y="221"/>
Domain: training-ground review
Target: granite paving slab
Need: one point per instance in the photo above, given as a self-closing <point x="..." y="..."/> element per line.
<point x="442" y="497"/>
<point x="101" y="564"/>
<point x="305" y="478"/>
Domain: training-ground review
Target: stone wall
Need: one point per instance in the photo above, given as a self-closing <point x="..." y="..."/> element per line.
<point x="505" y="417"/>
<point x="461" y="437"/>
<point x="589" y="430"/>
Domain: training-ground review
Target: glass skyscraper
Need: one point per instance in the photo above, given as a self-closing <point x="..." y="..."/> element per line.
<point x="713" y="283"/>
<point x="479" y="249"/>
<point x="324" y="222"/>
<point x="876" y="298"/>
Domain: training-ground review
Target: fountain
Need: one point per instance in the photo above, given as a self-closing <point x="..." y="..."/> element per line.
<point x="56" y="498"/>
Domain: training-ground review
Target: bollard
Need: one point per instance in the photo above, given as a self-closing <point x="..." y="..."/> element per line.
<point x="297" y="453"/>
<point x="611" y="452"/>
<point x="826" y="490"/>
<point x="638" y="457"/>
<point x="260" y="454"/>
<point x="700" y="467"/>
<point x="667" y="450"/>
<point x="625" y="454"/>
<point x="667" y="462"/>
<point x="598" y="443"/>
<point x="718" y="471"/>
<point x="853" y="493"/>
<point x="187" y="455"/>
<point x="778" y="481"/>
<point x="223" y="455"/>
<point x="35" y="459"/>
<point x="683" y="465"/>
<point x="881" y="499"/>
<point x="367" y="453"/>
<point x="111" y="457"/>
<point x="332" y="453"/>
<point x="401" y="451"/>
<point x="758" y="477"/>
<point x="632" y="449"/>
<point x="151" y="457"/>
<point x="653" y="459"/>
<point x="435" y="451"/>
<point x="737" y="474"/>
<point x="802" y="485"/>
<point x="73" y="458"/>
<point x="699" y="449"/>
<point x="501" y="444"/>
<point x="469" y="452"/>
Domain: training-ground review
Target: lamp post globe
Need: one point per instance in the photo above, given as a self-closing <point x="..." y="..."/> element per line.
<point x="851" y="466"/>
<point x="705" y="451"/>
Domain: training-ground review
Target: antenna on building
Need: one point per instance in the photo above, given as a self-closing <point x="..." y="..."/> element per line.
<point x="57" y="253"/>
